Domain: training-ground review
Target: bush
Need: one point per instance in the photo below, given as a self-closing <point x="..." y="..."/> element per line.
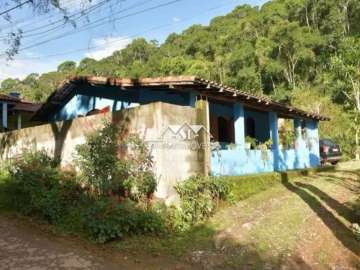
<point x="98" y="160"/>
<point x="248" y="185"/>
<point x="105" y="221"/>
<point x="141" y="181"/>
<point x="114" y="201"/>
<point x="106" y="174"/>
<point x="39" y="188"/>
<point x="199" y="198"/>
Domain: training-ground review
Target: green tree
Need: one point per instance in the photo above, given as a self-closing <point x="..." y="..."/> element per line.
<point x="346" y="79"/>
<point x="67" y="67"/>
<point x="9" y="85"/>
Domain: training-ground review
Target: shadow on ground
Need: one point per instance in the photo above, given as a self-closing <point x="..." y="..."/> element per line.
<point x="308" y="193"/>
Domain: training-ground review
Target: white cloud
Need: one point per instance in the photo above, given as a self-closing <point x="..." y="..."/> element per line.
<point x="71" y="5"/>
<point x="106" y="46"/>
<point x="20" y="68"/>
<point x="176" y="19"/>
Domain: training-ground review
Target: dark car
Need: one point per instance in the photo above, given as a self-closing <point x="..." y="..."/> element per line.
<point x="329" y="152"/>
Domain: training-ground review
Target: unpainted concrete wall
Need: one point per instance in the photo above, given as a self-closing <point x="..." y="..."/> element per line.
<point x="171" y="164"/>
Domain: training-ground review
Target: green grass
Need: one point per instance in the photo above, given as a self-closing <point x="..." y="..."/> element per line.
<point x="174" y="244"/>
<point x="277" y="216"/>
<point x="5" y="204"/>
<point x="201" y="237"/>
<point x="245" y="186"/>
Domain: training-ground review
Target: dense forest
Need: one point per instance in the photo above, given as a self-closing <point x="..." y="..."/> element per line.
<point x="302" y="52"/>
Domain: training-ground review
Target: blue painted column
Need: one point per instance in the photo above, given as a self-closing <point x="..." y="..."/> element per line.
<point x="192" y="99"/>
<point x="298" y="144"/>
<point x="274" y="130"/>
<point x="239" y="125"/>
<point x="313" y="142"/>
<point x="274" y="135"/>
<point x="4" y="115"/>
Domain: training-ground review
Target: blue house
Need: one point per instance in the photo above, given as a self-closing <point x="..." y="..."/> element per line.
<point x="232" y="117"/>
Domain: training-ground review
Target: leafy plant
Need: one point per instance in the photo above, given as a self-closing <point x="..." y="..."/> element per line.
<point x="252" y="141"/>
<point x="287" y="138"/>
<point x="39" y="187"/>
<point x="106" y="173"/>
<point x="199" y="198"/>
<point x="264" y="147"/>
<point x="141" y="181"/>
<point x="105" y="220"/>
<point x="98" y="160"/>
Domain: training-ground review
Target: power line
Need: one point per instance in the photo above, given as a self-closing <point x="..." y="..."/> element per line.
<point x="128" y="36"/>
<point x="138" y="4"/>
<point x="82" y="13"/>
<point x="15" y="7"/>
<point x="28" y="20"/>
<point x="116" y="19"/>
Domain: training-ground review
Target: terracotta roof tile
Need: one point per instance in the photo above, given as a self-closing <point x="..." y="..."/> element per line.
<point x="182" y="83"/>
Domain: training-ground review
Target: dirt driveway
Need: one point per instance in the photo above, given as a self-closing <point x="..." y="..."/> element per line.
<point x="25" y="248"/>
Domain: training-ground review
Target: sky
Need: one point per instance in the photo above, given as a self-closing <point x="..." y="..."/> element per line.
<point x="109" y="26"/>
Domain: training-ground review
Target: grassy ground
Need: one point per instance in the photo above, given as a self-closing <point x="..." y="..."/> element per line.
<point x="296" y="223"/>
<point x="304" y="223"/>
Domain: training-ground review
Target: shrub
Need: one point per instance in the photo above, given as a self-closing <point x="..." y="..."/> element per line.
<point x="98" y="160"/>
<point x="141" y="181"/>
<point x="248" y="185"/>
<point x="199" y="197"/>
<point x="39" y="188"/>
<point x="105" y="221"/>
<point x="105" y="173"/>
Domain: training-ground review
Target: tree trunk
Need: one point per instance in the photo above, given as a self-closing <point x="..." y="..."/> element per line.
<point x="357" y="154"/>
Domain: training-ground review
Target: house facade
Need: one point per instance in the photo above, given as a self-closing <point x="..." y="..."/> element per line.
<point x="15" y="113"/>
<point x="230" y="116"/>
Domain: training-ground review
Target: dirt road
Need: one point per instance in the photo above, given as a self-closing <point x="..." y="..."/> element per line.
<point x="24" y="248"/>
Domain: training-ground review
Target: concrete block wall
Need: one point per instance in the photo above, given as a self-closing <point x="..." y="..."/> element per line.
<point x="59" y="139"/>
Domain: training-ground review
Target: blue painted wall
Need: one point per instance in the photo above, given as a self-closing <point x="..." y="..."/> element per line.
<point x="261" y="124"/>
<point x="236" y="161"/>
<point x="218" y="109"/>
<point x="87" y="99"/>
<point x="239" y="161"/>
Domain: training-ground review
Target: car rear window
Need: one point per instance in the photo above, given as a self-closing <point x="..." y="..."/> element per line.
<point x="328" y="143"/>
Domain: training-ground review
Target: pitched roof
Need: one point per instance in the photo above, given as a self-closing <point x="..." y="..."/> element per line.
<point x="26" y="107"/>
<point x="8" y="98"/>
<point x="16" y="104"/>
<point x="210" y="89"/>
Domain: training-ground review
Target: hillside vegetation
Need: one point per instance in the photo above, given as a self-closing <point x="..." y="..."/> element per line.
<point x="303" y="52"/>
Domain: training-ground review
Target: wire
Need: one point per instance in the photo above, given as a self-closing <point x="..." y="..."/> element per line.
<point x="138" y="4"/>
<point x="82" y="13"/>
<point x="15" y="7"/>
<point x="116" y="19"/>
<point x="127" y="36"/>
<point x="29" y="21"/>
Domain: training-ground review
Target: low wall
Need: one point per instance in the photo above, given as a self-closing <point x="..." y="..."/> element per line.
<point x="241" y="161"/>
<point x="59" y="139"/>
